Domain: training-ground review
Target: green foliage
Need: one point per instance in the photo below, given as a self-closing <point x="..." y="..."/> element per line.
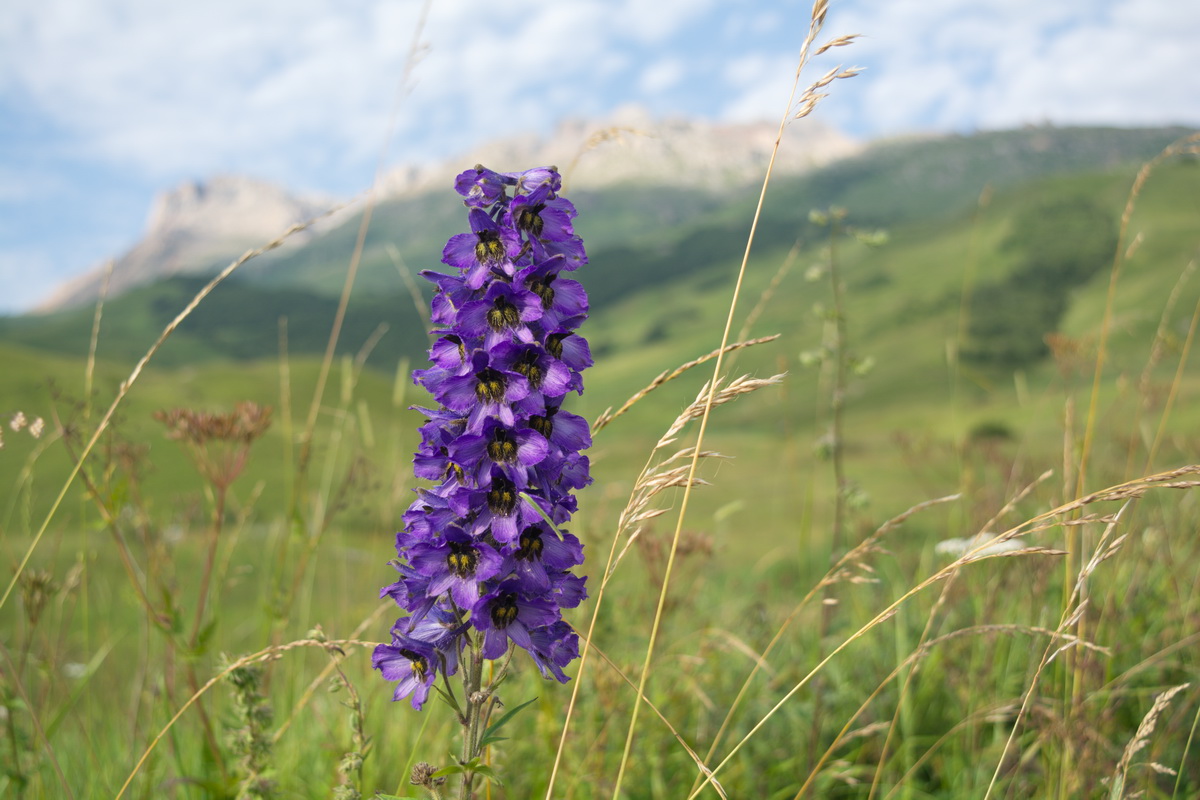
<point x="249" y="737"/>
<point x="490" y="736"/>
<point x="1059" y="245"/>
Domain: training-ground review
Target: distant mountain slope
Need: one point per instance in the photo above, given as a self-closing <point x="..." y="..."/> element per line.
<point x="901" y="180"/>
<point x="640" y="239"/>
<point x="238" y="321"/>
<point x="639" y="235"/>
<point x="200" y="226"/>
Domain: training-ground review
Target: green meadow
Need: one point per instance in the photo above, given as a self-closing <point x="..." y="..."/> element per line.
<point x="1001" y="323"/>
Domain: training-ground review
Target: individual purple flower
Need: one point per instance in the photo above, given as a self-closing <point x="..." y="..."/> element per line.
<point x="554" y="646"/>
<point x="540" y="554"/>
<point x="533" y="179"/>
<point x="458" y="564"/>
<point x="503" y="314"/>
<point x="542" y="216"/>
<point x="483" y="563"/>
<point x="480" y="186"/>
<point x="497" y="445"/>
<point x="545" y="374"/>
<point x="489" y="246"/>
<point x="487" y="389"/>
<point x="502" y="508"/>
<point x="563" y="300"/>
<point x="411" y="662"/>
<point x="506" y="614"/>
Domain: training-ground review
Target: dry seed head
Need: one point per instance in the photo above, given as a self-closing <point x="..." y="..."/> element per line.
<point x="1146" y="728"/>
<point x="245" y="423"/>
<point x="422" y="775"/>
<point x="37" y="587"/>
<point x="840" y="41"/>
<point x="820" y="8"/>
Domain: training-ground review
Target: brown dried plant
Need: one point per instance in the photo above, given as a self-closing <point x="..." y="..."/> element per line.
<point x="233" y="433"/>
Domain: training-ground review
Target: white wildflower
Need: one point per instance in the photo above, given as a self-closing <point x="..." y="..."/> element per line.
<point x="958" y="547"/>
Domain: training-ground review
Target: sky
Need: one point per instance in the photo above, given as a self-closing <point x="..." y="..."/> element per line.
<point x="104" y="103"/>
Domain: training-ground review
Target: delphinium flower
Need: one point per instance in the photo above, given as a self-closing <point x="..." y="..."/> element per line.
<point x="484" y="562"/>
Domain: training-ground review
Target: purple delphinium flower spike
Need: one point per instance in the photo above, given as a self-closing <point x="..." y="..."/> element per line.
<point x="478" y="562"/>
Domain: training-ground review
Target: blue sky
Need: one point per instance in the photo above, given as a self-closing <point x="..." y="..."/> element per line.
<point x="103" y="103"/>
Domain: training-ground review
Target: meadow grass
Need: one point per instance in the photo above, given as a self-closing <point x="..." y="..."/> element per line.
<point x="793" y="630"/>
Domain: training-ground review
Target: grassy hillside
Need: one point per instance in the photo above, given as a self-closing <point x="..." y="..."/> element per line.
<point x="907" y="306"/>
<point x="105" y="615"/>
<point x="640" y="240"/>
<point x="240" y="321"/>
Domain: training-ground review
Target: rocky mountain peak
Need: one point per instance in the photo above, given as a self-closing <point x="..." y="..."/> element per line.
<point x="632" y="146"/>
<point x="194" y="227"/>
<point x="200" y="226"/>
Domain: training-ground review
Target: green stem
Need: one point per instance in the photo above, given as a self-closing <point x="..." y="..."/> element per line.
<point x="472" y="683"/>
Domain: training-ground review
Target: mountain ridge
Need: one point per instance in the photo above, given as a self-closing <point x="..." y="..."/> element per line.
<point x="641" y="244"/>
<point x="190" y="228"/>
<point x="199" y="225"/>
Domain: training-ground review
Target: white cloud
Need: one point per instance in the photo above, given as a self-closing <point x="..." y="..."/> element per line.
<point x="172" y="87"/>
<point x="1001" y="63"/>
<point x="661" y="75"/>
<point x="652" y="23"/>
<point x="175" y="88"/>
<point x="759" y="85"/>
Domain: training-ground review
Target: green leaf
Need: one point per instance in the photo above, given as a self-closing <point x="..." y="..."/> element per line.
<point x="1118" y="787"/>
<point x="541" y="513"/>
<point x="203" y="640"/>
<point x="474" y="766"/>
<point x="453" y="769"/>
<point x="489" y="735"/>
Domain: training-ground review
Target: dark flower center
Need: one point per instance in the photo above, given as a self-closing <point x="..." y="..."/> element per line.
<point x="463" y="559"/>
<point x="489" y="249"/>
<point x="544" y="290"/>
<point x="504" y="315"/>
<point x="543" y="425"/>
<point x="529" y="218"/>
<point x="531" y="545"/>
<point x="456" y="341"/>
<point x="452" y="469"/>
<point x="554" y="344"/>
<point x="528" y="367"/>
<point x="502" y="449"/>
<point x="491" y="385"/>
<point x="504" y="610"/>
<point x="502" y="497"/>
<point x="420" y="667"/>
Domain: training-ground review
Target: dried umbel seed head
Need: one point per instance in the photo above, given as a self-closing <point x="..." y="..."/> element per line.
<point x="37" y="587"/>
<point x="247" y="422"/>
<point x="219" y="443"/>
